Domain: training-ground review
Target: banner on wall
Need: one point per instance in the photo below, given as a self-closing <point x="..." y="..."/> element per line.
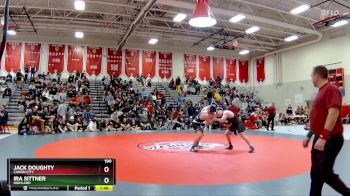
<point x="190" y="66"/>
<point x="243" y="70"/>
<point x="132" y="63"/>
<point x="165" y="65"/>
<point x="32" y="55"/>
<point x="114" y="61"/>
<point x="75" y="58"/>
<point x="13" y="56"/>
<point x="56" y="58"/>
<point x="231" y="70"/>
<point x="204" y="67"/>
<point x="149" y="63"/>
<point x="260" y="69"/>
<point x="218" y="67"/>
<point x="94" y="58"/>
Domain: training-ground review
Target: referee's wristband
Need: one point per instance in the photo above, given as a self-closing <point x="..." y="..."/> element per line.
<point x="324" y="134"/>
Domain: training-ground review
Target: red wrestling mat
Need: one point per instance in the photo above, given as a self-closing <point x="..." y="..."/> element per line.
<point x="164" y="158"/>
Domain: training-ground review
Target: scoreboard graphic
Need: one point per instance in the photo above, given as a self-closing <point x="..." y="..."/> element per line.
<point x="61" y="174"/>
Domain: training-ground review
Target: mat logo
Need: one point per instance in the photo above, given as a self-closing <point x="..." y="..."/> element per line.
<point x="180" y="146"/>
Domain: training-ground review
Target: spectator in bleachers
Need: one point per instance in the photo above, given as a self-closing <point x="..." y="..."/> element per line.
<point x="9" y="78"/>
<point x="7" y="92"/>
<point x="172" y="84"/>
<point x="4" y="116"/>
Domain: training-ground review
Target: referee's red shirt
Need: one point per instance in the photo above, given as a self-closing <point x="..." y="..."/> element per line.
<point x="271" y="110"/>
<point x="328" y="96"/>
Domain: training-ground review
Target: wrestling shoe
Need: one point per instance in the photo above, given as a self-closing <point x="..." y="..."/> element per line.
<point x="251" y="149"/>
<point x="194" y="149"/>
<point x="230" y="147"/>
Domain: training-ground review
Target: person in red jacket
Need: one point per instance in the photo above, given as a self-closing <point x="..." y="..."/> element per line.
<point x="271" y="110"/>
<point x="325" y="123"/>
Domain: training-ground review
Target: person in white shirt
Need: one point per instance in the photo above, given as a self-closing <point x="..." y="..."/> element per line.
<point x="185" y="88"/>
<point x="92" y="126"/>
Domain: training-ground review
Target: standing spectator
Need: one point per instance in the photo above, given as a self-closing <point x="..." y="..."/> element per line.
<point x="19" y="76"/>
<point x="271" y="110"/>
<point x="325" y="123"/>
<point x="210" y="96"/>
<point x="32" y="72"/>
<point x="219" y="80"/>
<point x="26" y="72"/>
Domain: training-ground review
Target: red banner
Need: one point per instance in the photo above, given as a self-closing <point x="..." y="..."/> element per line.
<point x="204" y="67"/>
<point x="56" y="58"/>
<point x="260" y="69"/>
<point x="190" y="66"/>
<point x="13" y="56"/>
<point x="75" y="58"/>
<point x="132" y="63"/>
<point x="231" y="70"/>
<point x="165" y="64"/>
<point x="32" y="55"/>
<point x="114" y="61"/>
<point x="93" y="63"/>
<point x="149" y="63"/>
<point x="243" y="70"/>
<point x="218" y="67"/>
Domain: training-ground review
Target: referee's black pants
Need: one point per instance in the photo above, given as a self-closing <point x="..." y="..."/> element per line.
<point x="271" y="119"/>
<point x="322" y="167"/>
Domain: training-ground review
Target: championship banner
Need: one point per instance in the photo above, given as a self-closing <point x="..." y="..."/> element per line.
<point x="56" y="58"/>
<point x="260" y="69"/>
<point x="132" y="63"/>
<point x="218" y="67"/>
<point x="32" y="55"/>
<point x="204" y="67"/>
<point x="149" y="63"/>
<point x="75" y="58"/>
<point x="190" y="66"/>
<point x="13" y="56"/>
<point x="94" y="58"/>
<point x="114" y="61"/>
<point x="165" y="65"/>
<point x="243" y="70"/>
<point x="231" y="70"/>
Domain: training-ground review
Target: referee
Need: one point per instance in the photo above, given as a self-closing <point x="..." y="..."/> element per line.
<point x="325" y="122"/>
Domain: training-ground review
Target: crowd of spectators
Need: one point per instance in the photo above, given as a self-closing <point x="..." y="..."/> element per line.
<point x="52" y="106"/>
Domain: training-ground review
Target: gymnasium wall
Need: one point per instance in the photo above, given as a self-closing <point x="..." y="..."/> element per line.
<point x="178" y="50"/>
<point x="297" y="65"/>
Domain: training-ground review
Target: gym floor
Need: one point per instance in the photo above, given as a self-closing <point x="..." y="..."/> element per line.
<point x="279" y="166"/>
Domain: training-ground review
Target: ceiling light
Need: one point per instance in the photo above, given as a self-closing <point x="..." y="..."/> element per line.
<point x="202" y="15"/>
<point x="291" y="38"/>
<point x="211" y="48"/>
<point x="244" y="52"/>
<point x="300" y="9"/>
<point x="340" y="23"/>
<point x="153" y="41"/>
<point x="79" y="5"/>
<point x="79" y="34"/>
<point x="237" y="18"/>
<point x="179" y="17"/>
<point x="252" y="30"/>
<point x="11" y="32"/>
